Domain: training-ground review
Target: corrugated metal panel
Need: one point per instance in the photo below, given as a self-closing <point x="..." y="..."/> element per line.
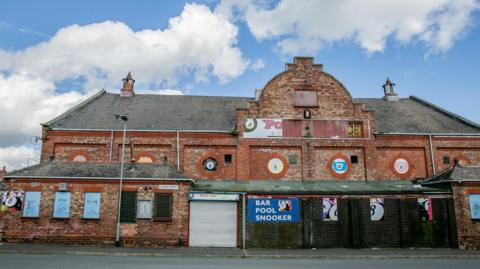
<point x="330" y="128"/>
<point x="213" y="224"/>
<point x="292" y="128"/>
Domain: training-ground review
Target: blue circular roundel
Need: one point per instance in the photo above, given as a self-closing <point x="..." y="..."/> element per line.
<point x="339" y="166"/>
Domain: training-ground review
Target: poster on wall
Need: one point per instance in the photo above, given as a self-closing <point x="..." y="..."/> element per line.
<point x="12" y="201"/>
<point x="425" y="207"/>
<point x="61" y="206"/>
<point x="92" y="205"/>
<point x="330" y="209"/>
<point x="273" y="210"/>
<point x="377" y="210"/>
<point x="262" y="128"/>
<point x="32" y="204"/>
<point x="144" y="209"/>
<point x="475" y="206"/>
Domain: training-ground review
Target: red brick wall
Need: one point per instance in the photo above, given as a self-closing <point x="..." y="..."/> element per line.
<point x="375" y="152"/>
<point x="468" y="229"/>
<point x="77" y="230"/>
<point x="260" y="156"/>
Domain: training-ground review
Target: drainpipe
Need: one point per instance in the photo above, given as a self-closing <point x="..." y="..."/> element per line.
<point x="431" y="153"/>
<point x="178" y="150"/>
<point x="111" y="145"/>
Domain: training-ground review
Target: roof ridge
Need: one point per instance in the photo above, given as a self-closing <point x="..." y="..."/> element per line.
<point x="80" y="105"/>
<point x="445" y="112"/>
<point x="184" y="95"/>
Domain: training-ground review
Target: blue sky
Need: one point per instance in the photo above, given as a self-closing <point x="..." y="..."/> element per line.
<point x="232" y="47"/>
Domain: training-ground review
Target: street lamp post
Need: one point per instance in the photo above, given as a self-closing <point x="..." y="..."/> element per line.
<point x="124" y="118"/>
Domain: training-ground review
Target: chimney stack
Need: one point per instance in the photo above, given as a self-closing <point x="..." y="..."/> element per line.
<point x="127" y="89"/>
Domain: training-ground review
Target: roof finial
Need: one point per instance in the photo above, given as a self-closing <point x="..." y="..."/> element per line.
<point x="127" y="89"/>
<point x="388" y="89"/>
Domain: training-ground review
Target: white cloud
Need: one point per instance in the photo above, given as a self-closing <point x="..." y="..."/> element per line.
<point x="18" y="157"/>
<point x="257" y="64"/>
<point x="304" y="26"/>
<point x="198" y="43"/>
<point x="163" y="92"/>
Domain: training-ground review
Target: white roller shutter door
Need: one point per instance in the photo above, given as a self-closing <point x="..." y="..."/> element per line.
<point x="213" y="224"/>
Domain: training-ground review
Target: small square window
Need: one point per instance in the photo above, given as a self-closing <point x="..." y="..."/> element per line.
<point x="354" y="159"/>
<point x="292" y="159"/>
<point x="446" y="160"/>
<point x="228" y="158"/>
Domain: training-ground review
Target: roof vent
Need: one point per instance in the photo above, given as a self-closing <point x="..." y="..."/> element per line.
<point x="127" y="89"/>
<point x="390" y="94"/>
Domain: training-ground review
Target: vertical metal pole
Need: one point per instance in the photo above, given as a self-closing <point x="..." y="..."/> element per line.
<point x="117" y="234"/>
<point x="431" y="153"/>
<point x="243" y="220"/>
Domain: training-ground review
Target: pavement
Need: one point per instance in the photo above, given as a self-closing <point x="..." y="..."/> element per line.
<point x="337" y="253"/>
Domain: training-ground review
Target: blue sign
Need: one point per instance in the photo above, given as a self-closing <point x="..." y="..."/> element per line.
<point x="61" y="208"/>
<point x="273" y="210"/>
<point x="339" y="165"/>
<point x="475" y="206"/>
<point x="32" y="204"/>
<point x="92" y="205"/>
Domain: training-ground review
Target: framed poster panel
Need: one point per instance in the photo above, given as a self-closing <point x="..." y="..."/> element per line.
<point x="31" y="207"/>
<point x="91" y="209"/>
<point x="61" y="207"/>
<point x="475" y="206"/>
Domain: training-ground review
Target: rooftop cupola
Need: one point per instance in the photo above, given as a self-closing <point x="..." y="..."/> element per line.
<point x="127" y="89"/>
<point x="388" y="88"/>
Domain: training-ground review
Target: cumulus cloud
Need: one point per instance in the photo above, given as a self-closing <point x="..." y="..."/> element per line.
<point x="304" y="26"/>
<point x="17" y="157"/>
<point x="198" y="43"/>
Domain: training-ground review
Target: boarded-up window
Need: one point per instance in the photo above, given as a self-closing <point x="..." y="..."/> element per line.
<point x="128" y="210"/>
<point x="163" y="206"/>
<point x="306" y="99"/>
<point x="292" y="128"/>
<point x="330" y="129"/>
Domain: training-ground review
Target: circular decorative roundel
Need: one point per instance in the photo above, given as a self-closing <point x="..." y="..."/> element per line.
<point x="250" y="124"/>
<point x="376" y="211"/>
<point x="275" y="166"/>
<point x="339" y="166"/>
<point x="401" y="166"/>
<point x="11" y="201"/>
<point x="210" y="164"/>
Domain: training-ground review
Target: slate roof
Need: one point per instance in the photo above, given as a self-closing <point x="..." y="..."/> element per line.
<point x="458" y="173"/>
<point x="86" y="170"/>
<point x="415" y="115"/>
<point x="153" y="112"/>
<point x="217" y="113"/>
<point x="315" y="187"/>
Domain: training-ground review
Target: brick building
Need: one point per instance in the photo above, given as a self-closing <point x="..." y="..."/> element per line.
<point x="302" y="164"/>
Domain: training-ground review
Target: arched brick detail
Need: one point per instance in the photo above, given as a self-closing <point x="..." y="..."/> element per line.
<point x="330" y="168"/>
<point x="217" y="157"/>
<point x="79" y="152"/>
<point x="145" y="154"/>
<point x="462" y="160"/>
<point x="410" y="166"/>
<point x="285" y="166"/>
